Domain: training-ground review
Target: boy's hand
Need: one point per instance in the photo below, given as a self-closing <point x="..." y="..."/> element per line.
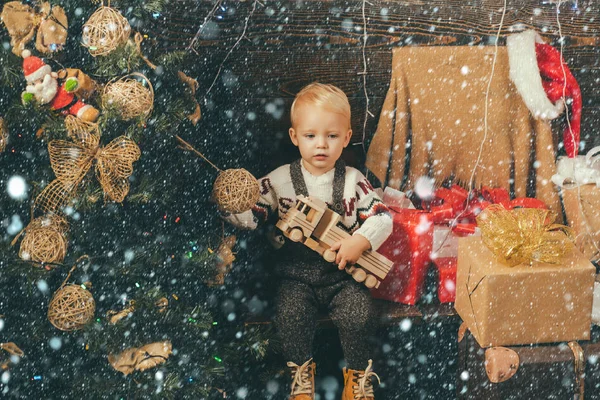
<point x="350" y="249"/>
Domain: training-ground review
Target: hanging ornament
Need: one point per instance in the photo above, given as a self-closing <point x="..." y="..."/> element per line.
<point x="45" y="240"/>
<point x="130" y="97"/>
<point x="86" y="86"/>
<point x="72" y="306"/>
<point x="162" y="304"/>
<point x="234" y="190"/>
<point x="21" y="21"/>
<point x="142" y="358"/>
<point x="116" y="316"/>
<point x="43" y="87"/>
<point x="193" y="85"/>
<point x="13" y="350"/>
<point x="106" y="30"/>
<point x="225" y="257"/>
<point x="3" y="135"/>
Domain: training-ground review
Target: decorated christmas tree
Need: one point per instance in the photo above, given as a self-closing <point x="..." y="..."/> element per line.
<point x="113" y="257"/>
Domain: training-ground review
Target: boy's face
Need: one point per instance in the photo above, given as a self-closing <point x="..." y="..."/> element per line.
<point x="320" y="135"/>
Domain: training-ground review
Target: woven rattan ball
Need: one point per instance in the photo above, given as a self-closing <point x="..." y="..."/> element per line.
<point x="3" y="135"/>
<point x="129" y="97"/>
<point x="45" y="240"/>
<point x="106" y="30"/>
<point x="71" y="308"/>
<point x="236" y="190"/>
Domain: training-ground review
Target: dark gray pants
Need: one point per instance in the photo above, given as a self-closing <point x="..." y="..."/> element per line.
<point x="348" y="303"/>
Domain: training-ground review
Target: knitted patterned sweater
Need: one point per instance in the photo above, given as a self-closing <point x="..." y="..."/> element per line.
<point x="362" y="210"/>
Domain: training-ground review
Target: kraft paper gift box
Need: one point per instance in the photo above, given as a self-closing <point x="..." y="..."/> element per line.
<point x="537" y="303"/>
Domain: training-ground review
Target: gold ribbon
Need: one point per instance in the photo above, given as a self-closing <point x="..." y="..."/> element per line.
<point x="21" y="21"/>
<point x="524" y="235"/>
<point x="225" y="257"/>
<point x="71" y="160"/>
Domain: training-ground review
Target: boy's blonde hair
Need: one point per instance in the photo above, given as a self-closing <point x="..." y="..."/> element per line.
<point x="324" y="95"/>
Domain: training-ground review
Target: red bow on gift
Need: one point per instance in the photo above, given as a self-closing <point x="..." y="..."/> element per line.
<point x="459" y="208"/>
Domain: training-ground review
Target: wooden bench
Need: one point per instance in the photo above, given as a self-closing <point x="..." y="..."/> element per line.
<point x="545" y="371"/>
<point x="391" y="314"/>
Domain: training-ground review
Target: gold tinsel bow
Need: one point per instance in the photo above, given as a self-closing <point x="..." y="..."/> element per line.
<point x="21" y="21"/>
<point x="71" y="161"/>
<point x="524" y="235"/>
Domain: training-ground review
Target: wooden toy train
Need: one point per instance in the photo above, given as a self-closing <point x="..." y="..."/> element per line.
<point x="311" y="222"/>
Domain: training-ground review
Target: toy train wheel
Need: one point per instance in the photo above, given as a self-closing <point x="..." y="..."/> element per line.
<point x="296" y="235"/>
<point x="371" y="282"/>
<point x="359" y="275"/>
<point x="329" y="255"/>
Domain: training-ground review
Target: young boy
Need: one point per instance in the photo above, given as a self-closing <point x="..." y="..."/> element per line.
<point x="321" y="130"/>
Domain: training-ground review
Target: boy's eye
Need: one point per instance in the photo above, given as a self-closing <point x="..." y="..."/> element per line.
<point x="333" y="135"/>
<point x="310" y="135"/>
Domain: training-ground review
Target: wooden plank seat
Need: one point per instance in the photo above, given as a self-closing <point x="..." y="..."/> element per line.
<point x="544" y="371"/>
<point x="391" y="314"/>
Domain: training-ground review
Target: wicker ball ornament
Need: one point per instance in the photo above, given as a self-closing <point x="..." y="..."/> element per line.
<point x="45" y="240"/>
<point x="71" y="308"/>
<point x="106" y="30"/>
<point x="129" y="96"/>
<point x="236" y="190"/>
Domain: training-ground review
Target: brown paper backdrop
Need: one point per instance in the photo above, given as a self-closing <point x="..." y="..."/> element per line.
<point x="436" y="99"/>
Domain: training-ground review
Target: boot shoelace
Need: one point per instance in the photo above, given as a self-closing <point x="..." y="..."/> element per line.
<point x="365" y="387"/>
<point x="301" y="384"/>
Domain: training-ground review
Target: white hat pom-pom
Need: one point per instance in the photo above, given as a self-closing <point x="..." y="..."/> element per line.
<point x="25" y="53"/>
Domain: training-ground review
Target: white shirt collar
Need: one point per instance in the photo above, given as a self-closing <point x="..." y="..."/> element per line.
<point x="323" y="178"/>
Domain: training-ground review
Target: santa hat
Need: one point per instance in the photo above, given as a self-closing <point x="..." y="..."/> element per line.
<point x="542" y="78"/>
<point x="34" y="68"/>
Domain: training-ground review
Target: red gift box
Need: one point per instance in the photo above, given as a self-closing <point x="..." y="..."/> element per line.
<point x="446" y="268"/>
<point x="409" y="247"/>
<point x="444" y="258"/>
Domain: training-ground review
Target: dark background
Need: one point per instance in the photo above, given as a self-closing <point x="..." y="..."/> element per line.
<point x="259" y="54"/>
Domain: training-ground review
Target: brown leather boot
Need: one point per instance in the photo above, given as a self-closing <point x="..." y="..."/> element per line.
<point x="303" y="380"/>
<point x="358" y="385"/>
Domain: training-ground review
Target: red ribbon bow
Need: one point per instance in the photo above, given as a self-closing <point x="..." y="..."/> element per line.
<point x="459" y="208"/>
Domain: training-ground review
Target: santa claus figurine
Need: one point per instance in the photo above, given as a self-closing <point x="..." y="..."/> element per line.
<point x="42" y="86"/>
